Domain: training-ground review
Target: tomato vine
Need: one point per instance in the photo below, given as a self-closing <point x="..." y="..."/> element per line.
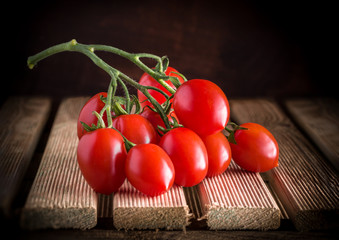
<point x="116" y="75"/>
<point x="185" y="118"/>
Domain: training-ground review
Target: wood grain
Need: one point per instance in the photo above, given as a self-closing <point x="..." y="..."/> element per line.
<point x="238" y="199"/>
<point x="134" y="210"/>
<point x="60" y="197"/>
<point x="319" y="118"/>
<point x="22" y="120"/>
<point x="304" y="182"/>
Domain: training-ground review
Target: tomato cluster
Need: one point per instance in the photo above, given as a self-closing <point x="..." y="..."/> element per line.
<point x="177" y="138"/>
<point x="194" y="147"/>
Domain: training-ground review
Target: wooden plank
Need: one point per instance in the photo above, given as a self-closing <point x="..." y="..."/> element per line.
<point x="319" y="118"/>
<point x="22" y="120"/>
<point x="60" y="197"/>
<point x="305" y="183"/>
<point x="238" y="199"/>
<point x="134" y="210"/>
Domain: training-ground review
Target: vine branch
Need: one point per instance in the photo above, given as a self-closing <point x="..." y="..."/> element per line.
<point x="115" y="74"/>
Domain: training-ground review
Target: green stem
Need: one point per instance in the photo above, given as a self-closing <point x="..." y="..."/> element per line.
<point x="110" y="94"/>
<point x="228" y="130"/>
<point x="135" y="58"/>
<point x="232" y="131"/>
<point x="88" y="50"/>
<point x="100" y="120"/>
<point x="127" y="96"/>
<point x="154" y="102"/>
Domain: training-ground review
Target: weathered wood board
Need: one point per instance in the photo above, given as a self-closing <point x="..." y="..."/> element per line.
<point x="304" y="181"/>
<point x="22" y="120"/>
<point x="319" y="118"/>
<point x="134" y="210"/>
<point x="60" y="197"/>
<point x="238" y="199"/>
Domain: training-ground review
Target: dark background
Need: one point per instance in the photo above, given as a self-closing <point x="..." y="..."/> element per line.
<point x="249" y="48"/>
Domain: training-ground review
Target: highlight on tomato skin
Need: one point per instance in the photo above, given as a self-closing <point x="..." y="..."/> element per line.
<point x="256" y="149"/>
<point x="136" y="128"/>
<point x="149" y="169"/>
<point x="101" y="156"/>
<point x="188" y="154"/>
<point x="201" y="106"/>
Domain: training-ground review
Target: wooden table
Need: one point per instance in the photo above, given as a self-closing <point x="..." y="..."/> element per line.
<point x="43" y="194"/>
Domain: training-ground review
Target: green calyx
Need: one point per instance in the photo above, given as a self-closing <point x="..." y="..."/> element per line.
<point x="231" y="128"/>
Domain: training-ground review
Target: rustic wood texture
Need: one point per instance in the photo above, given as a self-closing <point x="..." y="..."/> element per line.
<point x="283" y="213"/>
<point x="134" y="210"/>
<point x="60" y="197"/>
<point x="273" y="119"/>
<point x="319" y="117"/>
<point x="305" y="183"/>
<point x="238" y="199"/>
<point x="22" y="120"/>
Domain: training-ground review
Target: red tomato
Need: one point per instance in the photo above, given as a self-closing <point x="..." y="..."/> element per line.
<point x="136" y="128"/>
<point x="219" y="153"/>
<point x="86" y="116"/>
<point x="256" y="149"/>
<point x="149" y="169"/>
<point x="155" y="118"/>
<point x="101" y="156"/>
<point x="188" y="154"/>
<point x="201" y="106"/>
<point x="147" y="80"/>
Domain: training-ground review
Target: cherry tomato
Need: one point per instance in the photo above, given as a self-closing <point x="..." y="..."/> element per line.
<point x="256" y="149"/>
<point x="86" y="116"/>
<point x="201" y="106"/>
<point x="188" y="154"/>
<point x="219" y="153"/>
<point x="147" y="80"/>
<point x="136" y="128"/>
<point x="155" y="118"/>
<point x="101" y="156"/>
<point x="149" y="169"/>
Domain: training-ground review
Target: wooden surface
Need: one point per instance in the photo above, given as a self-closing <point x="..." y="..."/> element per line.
<point x="22" y="120"/>
<point x="303" y="188"/>
<point x="134" y="210"/>
<point x="319" y="118"/>
<point x="305" y="182"/>
<point x="60" y="196"/>
<point x="238" y="199"/>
